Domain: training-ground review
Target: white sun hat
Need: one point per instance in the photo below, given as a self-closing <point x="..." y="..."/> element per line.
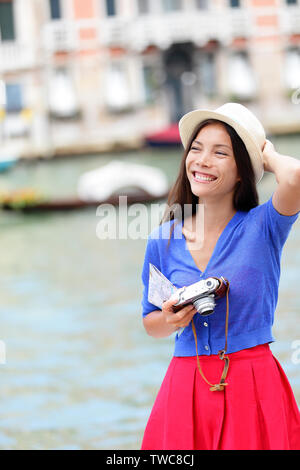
<point x="244" y="122"/>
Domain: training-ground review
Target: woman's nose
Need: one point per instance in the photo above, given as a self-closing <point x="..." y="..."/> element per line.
<point x="204" y="158"/>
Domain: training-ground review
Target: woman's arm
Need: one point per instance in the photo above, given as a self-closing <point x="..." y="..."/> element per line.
<point x="286" y="198"/>
<point x="162" y="323"/>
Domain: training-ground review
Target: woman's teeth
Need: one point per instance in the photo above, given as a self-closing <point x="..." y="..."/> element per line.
<point x="199" y="177"/>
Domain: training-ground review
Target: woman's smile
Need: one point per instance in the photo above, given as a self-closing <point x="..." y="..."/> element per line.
<point x="205" y="178"/>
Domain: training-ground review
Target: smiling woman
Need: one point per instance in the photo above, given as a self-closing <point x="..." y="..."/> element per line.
<point x="252" y="405"/>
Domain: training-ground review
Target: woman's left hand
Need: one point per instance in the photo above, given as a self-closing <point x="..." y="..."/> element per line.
<point x="268" y="152"/>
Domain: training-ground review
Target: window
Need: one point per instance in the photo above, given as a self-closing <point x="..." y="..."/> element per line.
<point x="234" y="3"/>
<point x="111" y="8"/>
<point x="292" y="68"/>
<point x="7" y="27"/>
<point x="240" y="76"/>
<point x="207" y="74"/>
<point x="202" y="4"/>
<point x="14" y="99"/>
<point x="55" y="12"/>
<point x="117" y="87"/>
<point x="150" y="84"/>
<point x="2" y="94"/>
<point x="291" y="2"/>
<point x="172" y="5"/>
<point x="62" y="97"/>
<point x="143" y="6"/>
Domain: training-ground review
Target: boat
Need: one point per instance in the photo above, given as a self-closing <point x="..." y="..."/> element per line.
<point x="7" y="161"/>
<point x="121" y="177"/>
<point x="139" y="183"/>
<point x="10" y="154"/>
<point x="68" y="204"/>
<point x="167" y="137"/>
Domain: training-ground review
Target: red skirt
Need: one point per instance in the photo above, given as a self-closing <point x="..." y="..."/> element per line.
<point x="256" y="410"/>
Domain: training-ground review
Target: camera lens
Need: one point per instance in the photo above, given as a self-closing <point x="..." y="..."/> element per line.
<point x="205" y="305"/>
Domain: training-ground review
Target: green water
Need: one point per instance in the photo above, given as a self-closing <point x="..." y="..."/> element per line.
<point x="80" y="371"/>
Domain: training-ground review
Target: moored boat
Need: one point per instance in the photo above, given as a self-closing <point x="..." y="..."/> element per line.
<point x="167" y="137"/>
<point x="7" y="162"/>
<point x="139" y="183"/>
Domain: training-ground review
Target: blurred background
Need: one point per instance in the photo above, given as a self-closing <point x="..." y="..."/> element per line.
<point x="84" y="83"/>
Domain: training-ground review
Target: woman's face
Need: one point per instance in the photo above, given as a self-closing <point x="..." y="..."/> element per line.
<point x="210" y="163"/>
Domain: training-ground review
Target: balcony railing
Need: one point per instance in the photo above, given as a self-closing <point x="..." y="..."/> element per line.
<point x="60" y="36"/>
<point x="114" y="32"/>
<point x="199" y="28"/>
<point x="139" y="32"/>
<point x="290" y="20"/>
<point x="15" y="56"/>
<point x="161" y="30"/>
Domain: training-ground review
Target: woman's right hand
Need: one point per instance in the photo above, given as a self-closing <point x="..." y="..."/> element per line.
<point x="164" y="322"/>
<point x="181" y="318"/>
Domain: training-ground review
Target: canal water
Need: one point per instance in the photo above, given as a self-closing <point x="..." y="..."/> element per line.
<point x="80" y="371"/>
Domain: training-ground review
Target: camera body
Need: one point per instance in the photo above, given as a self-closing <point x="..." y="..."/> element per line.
<point x="202" y="294"/>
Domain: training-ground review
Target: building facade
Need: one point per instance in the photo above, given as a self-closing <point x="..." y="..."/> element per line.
<point x="85" y="74"/>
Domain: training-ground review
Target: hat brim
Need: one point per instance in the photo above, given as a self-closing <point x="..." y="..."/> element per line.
<point x="190" y="121"/>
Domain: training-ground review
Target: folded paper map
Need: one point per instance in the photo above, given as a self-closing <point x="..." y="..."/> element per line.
<point x="160" y="288"/>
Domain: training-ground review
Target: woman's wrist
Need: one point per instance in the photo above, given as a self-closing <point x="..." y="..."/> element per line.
<point x="271" y="162"/>
<point x="270" y="156"/>
<point x="155" y="325"/>
<point x="284" y="167"/>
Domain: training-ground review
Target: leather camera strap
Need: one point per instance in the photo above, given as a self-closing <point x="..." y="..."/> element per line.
<point x="222" y="354"/>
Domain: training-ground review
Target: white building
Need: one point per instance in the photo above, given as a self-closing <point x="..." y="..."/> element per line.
<point x="79" y="74"/>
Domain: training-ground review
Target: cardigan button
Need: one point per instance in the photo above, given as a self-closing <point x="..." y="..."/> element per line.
<point x="205" y="323"/>
<point x="206" y="347"/>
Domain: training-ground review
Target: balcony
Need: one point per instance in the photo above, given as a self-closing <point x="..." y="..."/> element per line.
<point x="178" y="27"/>
<point x="60" y="36"/>
<point x="153" y="29"/>
<point x="290" y="20"/>
<point x="240" y="23"/>
<point x="16" y="56"/>
<point x="114" y="32"/>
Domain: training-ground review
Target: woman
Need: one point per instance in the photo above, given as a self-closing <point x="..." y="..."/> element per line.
<point x="223" y="389"/>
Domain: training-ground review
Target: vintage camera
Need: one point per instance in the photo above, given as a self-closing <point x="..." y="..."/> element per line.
<point x="202" y="294"/>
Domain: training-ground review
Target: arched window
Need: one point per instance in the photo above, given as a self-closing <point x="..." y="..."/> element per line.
<point x="241" y="80"/>
<point x="292" y="68"/>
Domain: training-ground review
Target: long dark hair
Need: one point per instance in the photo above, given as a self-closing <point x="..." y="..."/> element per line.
<point x="245" y="194"/>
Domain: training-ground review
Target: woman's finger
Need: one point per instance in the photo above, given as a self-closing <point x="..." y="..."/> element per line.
<point x="183" y="315"/>
<point x="168" y="304"/>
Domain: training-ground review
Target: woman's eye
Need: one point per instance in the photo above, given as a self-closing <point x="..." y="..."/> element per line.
<point x="221" y="153"/>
